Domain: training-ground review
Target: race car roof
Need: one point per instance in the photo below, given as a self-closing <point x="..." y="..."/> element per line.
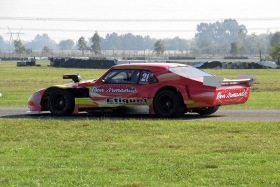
<point x="150" y="65"/>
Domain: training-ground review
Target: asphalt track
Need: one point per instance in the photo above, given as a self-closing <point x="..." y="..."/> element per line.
<point x="220" y="115"/>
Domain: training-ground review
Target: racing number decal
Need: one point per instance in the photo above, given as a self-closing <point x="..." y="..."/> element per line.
<point x="145" y="77"/>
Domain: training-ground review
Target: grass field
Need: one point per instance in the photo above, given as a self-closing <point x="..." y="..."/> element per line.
<point x="134" y="153"/>
<point x="138" y="153"/>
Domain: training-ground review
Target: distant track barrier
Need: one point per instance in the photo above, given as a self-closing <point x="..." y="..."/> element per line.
<point x="105" y="64"/>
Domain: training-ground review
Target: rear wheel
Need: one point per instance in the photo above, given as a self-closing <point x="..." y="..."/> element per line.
<point x="168" y="103"/>
<point x="207" y="110"/>
<point x="61" y="102"/>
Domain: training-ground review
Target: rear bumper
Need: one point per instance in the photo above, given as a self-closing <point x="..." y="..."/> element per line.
<point x="231" y="95"/>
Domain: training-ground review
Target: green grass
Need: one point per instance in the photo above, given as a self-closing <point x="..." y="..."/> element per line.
<point x="18" y="83"/>
<point x="135" y="153"/>
<point x="138" y="153"/>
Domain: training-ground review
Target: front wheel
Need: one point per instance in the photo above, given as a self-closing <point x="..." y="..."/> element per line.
<point x="168" y="103"/>
<point x="207" y="110"/>
<point x="61" y="102"/>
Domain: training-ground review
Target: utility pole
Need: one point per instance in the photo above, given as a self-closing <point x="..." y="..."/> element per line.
<point x="11" y="42"/>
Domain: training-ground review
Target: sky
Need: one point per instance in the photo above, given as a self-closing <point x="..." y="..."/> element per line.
<point x="71" y="19"/>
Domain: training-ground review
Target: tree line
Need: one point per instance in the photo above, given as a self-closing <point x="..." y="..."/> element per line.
<point x="218" y="38"/>
<point x="96" y="43"/>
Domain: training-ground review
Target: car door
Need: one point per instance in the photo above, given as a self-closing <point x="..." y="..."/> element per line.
<point x="118" y="89"/>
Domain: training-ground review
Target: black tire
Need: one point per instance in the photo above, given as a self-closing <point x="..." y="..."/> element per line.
<point x="168" y="104"/>
<point x="208" y="110"/>
<point x="61" y="102"/>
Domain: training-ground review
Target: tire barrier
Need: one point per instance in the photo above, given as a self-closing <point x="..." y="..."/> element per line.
<point x="105" y="64"/>
<point x="235" y="65"/>
<point x="12" y="58"/>
<point x="32" y="62"/>
<point x="236" y="57"/>
<point x="80" y="63"/>
<point x="181" y="58"/>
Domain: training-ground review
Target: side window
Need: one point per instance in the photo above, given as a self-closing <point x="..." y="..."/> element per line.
<point x="133" y="76"/>
<point x="127" y="76"/>
<point x="147" y="77"/>
<point x="110" y="75"/>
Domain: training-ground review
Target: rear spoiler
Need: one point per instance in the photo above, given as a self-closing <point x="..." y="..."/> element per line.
<point x="218" y="81"/>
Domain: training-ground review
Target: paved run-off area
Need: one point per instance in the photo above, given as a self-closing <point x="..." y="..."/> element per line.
<point x="220" y="115"/>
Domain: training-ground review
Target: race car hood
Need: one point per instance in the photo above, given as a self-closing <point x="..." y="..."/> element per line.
<point x="81" y="84"/>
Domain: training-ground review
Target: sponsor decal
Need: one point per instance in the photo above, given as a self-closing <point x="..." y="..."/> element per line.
<point x="232" y="93"/>
<point x="121" y="89"/>
<point x="97" y="90"/>
<point x="136" y="101"/>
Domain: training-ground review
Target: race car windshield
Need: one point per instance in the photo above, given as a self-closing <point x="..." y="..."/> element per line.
<point x="189" y="72"/>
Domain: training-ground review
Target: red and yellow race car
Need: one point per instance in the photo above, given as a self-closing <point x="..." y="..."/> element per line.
<point x="167" y="89"/>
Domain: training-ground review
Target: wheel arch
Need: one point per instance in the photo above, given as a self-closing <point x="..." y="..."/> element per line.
<point x="172" y="88"/>
<point x="76" y="92"/>
<point x="178" y="102"/>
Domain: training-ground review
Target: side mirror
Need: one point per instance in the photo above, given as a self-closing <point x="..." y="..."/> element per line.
<point x="75" y="77"/>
